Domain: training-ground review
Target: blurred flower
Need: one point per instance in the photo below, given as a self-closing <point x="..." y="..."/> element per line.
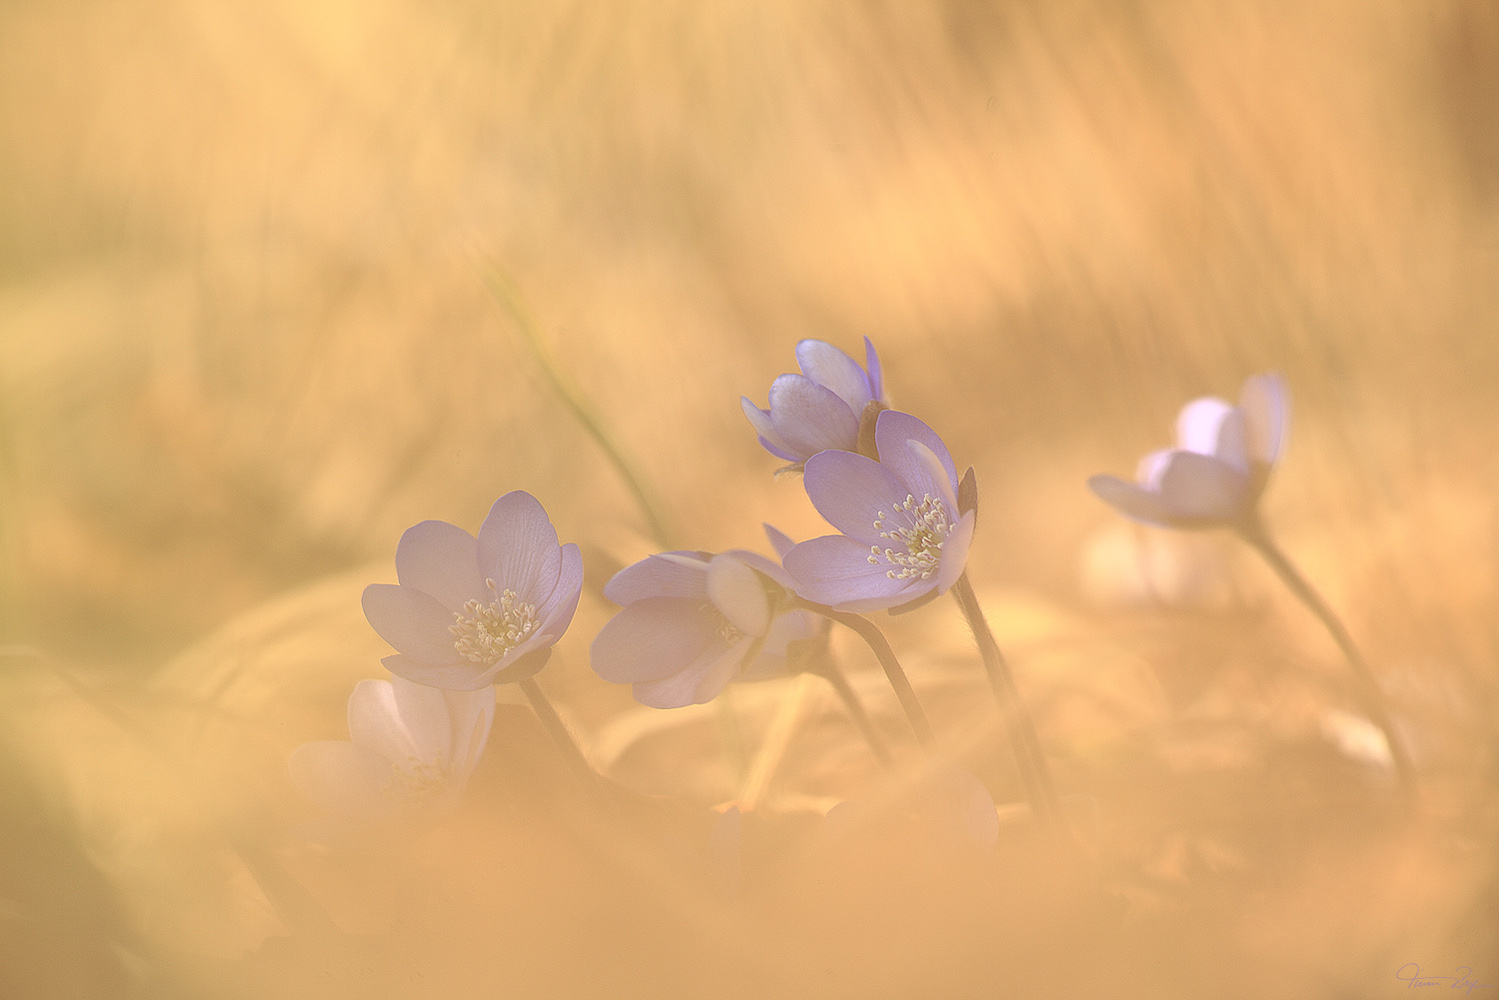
<point x="467" y="612"/>
<point x="904" y="535"/>
<point x="692" y="622"/>
<point x="410" y="747"/>
<point x="823" y="408"/>
<point x="1219" y="468"/>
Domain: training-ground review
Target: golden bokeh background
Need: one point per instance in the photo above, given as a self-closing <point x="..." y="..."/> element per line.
<point x="248" y="261"/>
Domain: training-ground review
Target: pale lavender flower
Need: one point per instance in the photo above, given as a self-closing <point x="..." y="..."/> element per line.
<point x="692" y="622"/>
<point x="821" y="408"/>
<point x="904" y="536"/>
<point x="470" y="612"/>
<point x="410" y="748"/>
<point x="1219" y="467"/>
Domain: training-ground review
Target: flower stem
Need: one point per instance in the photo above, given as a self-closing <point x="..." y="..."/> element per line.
<point x="557" y="730"/>
<point x="1029" y="758"/>
<point x="507" y="292"/>
<point x="856" y="711"/>
<point x="871" y="634"/>
<point x="1366" y="687"/>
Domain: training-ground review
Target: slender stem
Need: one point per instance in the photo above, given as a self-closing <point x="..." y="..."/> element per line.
<point x="1029" y="758"/>
<point x="557" y="730"/>
<point x="1366" y="686"/>
<point x="856" y="711"/>
<point x="508" y="294"/>
<point x="871" y="634"/>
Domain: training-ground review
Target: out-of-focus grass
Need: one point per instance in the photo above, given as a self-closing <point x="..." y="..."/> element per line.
<point x="246" y="343"/>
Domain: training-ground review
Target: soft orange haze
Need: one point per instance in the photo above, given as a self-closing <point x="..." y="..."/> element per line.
<point x="273" y="278"/>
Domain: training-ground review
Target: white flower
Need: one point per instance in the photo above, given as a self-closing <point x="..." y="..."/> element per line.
<point x="1219" y="467"/>
<point x="411" y="748"/>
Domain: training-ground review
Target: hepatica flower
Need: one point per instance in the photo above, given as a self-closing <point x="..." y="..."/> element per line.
<point x="468" y="612"/>
<point x="903" y="534"/>
<point x="692" y="622"/>
<point x="410" y="747"/>
<point x="823" y="407"/>
<point x="1219" y="467"/>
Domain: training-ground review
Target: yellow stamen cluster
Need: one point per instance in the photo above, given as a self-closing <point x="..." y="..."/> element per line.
<point x="917" y="545"/>
<point x="484" y="633"/>
<point x="415" y="779"/>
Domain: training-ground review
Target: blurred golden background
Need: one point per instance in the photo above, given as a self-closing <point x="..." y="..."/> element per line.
<point x="249" y="336"/>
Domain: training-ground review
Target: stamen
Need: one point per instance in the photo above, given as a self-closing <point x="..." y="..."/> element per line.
<point x="485" y="633"/>
<point x="415" y="779"/>
<point x="916" y="546"/>
<point x="726" y="629"/>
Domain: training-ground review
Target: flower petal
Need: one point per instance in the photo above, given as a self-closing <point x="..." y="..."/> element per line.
<point x="779" y="540"/>
<point x="344" y="779"/>
<point x="934" y="482"/>
<point x="459" y="676"/>
<point x="667" y="574"/>
<point x="556" y="611"/>
<point x="1232" y="446"/>
<point x="1148" y="473"/>
<point x="375" y="722"/>
<point x="876" y="375"/>
<point x="1266" y="403"/>
<point x="401" y="721"/>
<point x="738" y="594"/>
<point x="1133" y="501"/>
<point x="955" y="552"/>
<point x="835" y="570"/>
<point x="1197" y="490"/>
<point x="470" y="714"/>
<point x="788" y="627"/>
<point x="518" y="546"/>
<point x="441" y="559"/>
<point x="653" y="638"/>
<point x="770" y="438"/>
<point x="701" y="682"/>
<point x="427" y="717"/>
<point x="760" y="564"/>
<point x="412" y="621"/>
<point x="1198" y="423"/>
<point x="831" y="368"/>
<point x="810" y="418"/>
<point x="891" y="432"/>
<point x="853" y="492"/>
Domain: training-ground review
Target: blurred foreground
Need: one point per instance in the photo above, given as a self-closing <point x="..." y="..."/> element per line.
<point x="247" y="340"/>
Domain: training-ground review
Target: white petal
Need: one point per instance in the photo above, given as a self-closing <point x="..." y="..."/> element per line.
<point x="427" y="718"/>
<point x="375" y="722"/>
<point x="1266" y="403"/>
<point x="1198" y="423"/>
<point x="738" y="594"/>
<point x="471" y="713"/>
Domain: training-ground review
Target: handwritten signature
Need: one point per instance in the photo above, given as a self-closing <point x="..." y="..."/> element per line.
<point x="1410" y="974"/>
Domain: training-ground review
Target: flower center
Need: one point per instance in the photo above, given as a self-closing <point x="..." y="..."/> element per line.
<point x="415" y="779"/>
<point x="916" y="541"/>
<point x="484" y="633"/>
<point x="727" y="631"/>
